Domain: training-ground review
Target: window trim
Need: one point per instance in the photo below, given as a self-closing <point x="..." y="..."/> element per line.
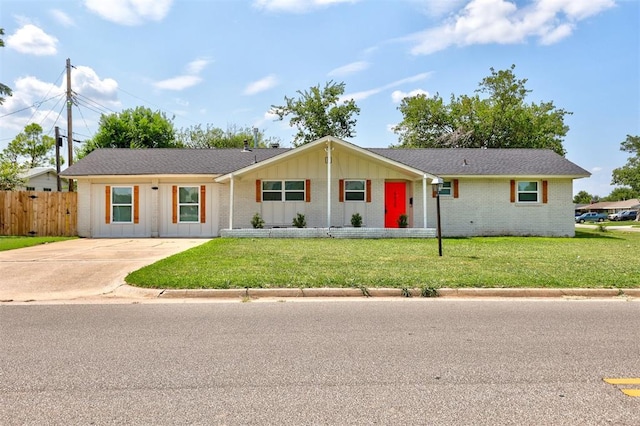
<point x="449" y="188"/>
<point x="283" y="191"/>
<point x="114" y="204"/>
<point x="536" y="192"/>
<point x="363" y="191"/>
<point x="189" y="204"/>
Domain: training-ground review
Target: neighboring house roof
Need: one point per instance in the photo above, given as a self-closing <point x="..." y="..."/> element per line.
<point x="633" y="203"/>
<point x="436" y="161"/>
<point x="35" y="172"/>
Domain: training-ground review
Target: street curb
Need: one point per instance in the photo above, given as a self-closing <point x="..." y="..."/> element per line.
<point x="528" y="292"/>
<point x="223" y="293"/>
<point x="254" y="293"/>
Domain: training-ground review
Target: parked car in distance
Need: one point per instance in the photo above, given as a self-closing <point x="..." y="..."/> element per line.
<point x="591" y="217"/>
<point x="626" y="215"/>
<point x="613" y="216"/>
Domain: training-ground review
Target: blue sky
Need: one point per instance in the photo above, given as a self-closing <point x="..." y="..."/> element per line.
<point x="225" y="62"/>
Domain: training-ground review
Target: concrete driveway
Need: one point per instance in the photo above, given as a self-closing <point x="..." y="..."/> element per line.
<point x="79" y="268"/>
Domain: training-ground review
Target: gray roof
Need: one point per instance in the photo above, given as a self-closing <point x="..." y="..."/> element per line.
<point x="483" y="162"/>
<point x="442" y="162"/>
<point x="166" y="161"/>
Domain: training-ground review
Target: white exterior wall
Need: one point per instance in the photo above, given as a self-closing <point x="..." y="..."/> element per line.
<point x="484" y="209"/>
<point x="46" y="181"/>
<point x="84" y="208"/>
<point x="312" y="165"/>
<point x="155" y="209"/>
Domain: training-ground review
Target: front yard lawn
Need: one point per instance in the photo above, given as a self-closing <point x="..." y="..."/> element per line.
<point x="10" y="243"/>
<point x="591" y="259"/>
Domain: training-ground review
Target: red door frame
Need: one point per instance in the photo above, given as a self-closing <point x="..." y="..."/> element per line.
<point x="395" y="203"/>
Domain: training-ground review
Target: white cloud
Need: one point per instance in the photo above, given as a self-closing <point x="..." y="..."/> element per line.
<point x="184" y="81"/>
<point x="261" y="85"/>
<point x="507" y="22"/>
<point x="130" y="12"/>
<point x="62" y="18"/>
<point x="596" y="169"/>
<point x="349" y="69"/>
<point x="32" y="40"/>
<point x="36" y="101"/>
<point x="180" y="82"/>
<point x="85" y="81"/>
<point x="397" y="95"/>
<point x="296" y="6"/>
<point x="358" y="96"/>
<point x="439" y="7"/>
<point x="196" y="67"/>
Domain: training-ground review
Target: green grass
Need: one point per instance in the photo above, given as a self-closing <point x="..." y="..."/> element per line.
<point x="10" y="243"/>
<point x="592" y="259"/>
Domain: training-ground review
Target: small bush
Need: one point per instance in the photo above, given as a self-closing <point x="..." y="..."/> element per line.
<point x="356" y="220"/>
<point x="299" y="221"/>
<point x="403" y="221"/>
<point x="257" y="221"/>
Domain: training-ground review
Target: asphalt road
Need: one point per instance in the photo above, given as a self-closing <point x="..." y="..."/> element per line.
<point x="404" y="361"/>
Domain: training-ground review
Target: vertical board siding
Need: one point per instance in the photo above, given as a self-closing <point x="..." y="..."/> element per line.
<point x="43" y="214"/>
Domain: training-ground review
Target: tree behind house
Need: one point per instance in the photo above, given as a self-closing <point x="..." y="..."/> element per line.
<point x="132" y="128"/>
<point x="319" y="112"/>
<point x="30" y="148"/>
<point x="500" y="118"/>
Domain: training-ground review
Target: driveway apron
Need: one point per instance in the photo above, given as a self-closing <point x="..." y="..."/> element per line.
<point x="79" y="268"/>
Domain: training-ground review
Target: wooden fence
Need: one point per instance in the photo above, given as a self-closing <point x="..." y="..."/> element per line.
<point x="50" y="214"/>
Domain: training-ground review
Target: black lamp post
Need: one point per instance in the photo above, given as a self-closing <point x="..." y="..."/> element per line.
<point x="437" y="186"/>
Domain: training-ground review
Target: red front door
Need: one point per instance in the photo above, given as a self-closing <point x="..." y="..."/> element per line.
<point x="395" y="200"/>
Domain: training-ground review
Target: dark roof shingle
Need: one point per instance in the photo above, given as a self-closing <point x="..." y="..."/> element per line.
<point x="444" y="161"/>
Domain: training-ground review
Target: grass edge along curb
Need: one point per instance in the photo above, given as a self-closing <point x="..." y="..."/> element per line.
<point x="254" y="293"/>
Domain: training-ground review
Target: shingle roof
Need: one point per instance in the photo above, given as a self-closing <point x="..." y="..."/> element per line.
<point x="162" y="161"/>
<point x="445" y="161"/>
<point x="491" y="162"/>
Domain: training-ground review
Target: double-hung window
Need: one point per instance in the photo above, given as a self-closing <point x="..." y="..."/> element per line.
<point x="446" y="188"/>
<point x="189" y="204"/>
<point x="527" y="192"/>
<point x="287" y="190"/>
<point x="354" y="190"/>
<point x="122" y="204"/>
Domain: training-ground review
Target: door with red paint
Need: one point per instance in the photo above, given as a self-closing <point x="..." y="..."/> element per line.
<point x="395" y="203"/>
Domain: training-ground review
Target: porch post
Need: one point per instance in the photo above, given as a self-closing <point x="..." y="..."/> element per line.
<point x="328" y="149"/>
<point x="424" y="200"/>
<point x="231" y="203"/>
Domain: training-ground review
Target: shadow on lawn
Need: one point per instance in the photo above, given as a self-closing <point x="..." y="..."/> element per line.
<point x="596" y="234"/>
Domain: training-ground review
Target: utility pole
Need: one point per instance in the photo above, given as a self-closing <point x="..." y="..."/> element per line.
<point x="69" y="120"/>
<point x="58" y="145"/>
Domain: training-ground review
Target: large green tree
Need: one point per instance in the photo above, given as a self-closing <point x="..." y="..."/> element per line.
<point x="629" y="174"/>
<point x="132" y="128"/>
<point x="582" y="197"/>
<point x="9" y="175"/>
<point x="495" y="116"/>
<point x="319" y="112"/>
<point x="622" y="193"/>
<point x="4" y="89"/>
<point x="214" y="137"/>
<point x="30" y="148"/>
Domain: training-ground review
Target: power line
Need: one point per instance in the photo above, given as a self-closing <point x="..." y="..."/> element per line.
<point x="37" y="104"/>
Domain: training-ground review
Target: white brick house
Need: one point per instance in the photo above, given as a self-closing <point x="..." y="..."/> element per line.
<point x="186" y="192"/>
